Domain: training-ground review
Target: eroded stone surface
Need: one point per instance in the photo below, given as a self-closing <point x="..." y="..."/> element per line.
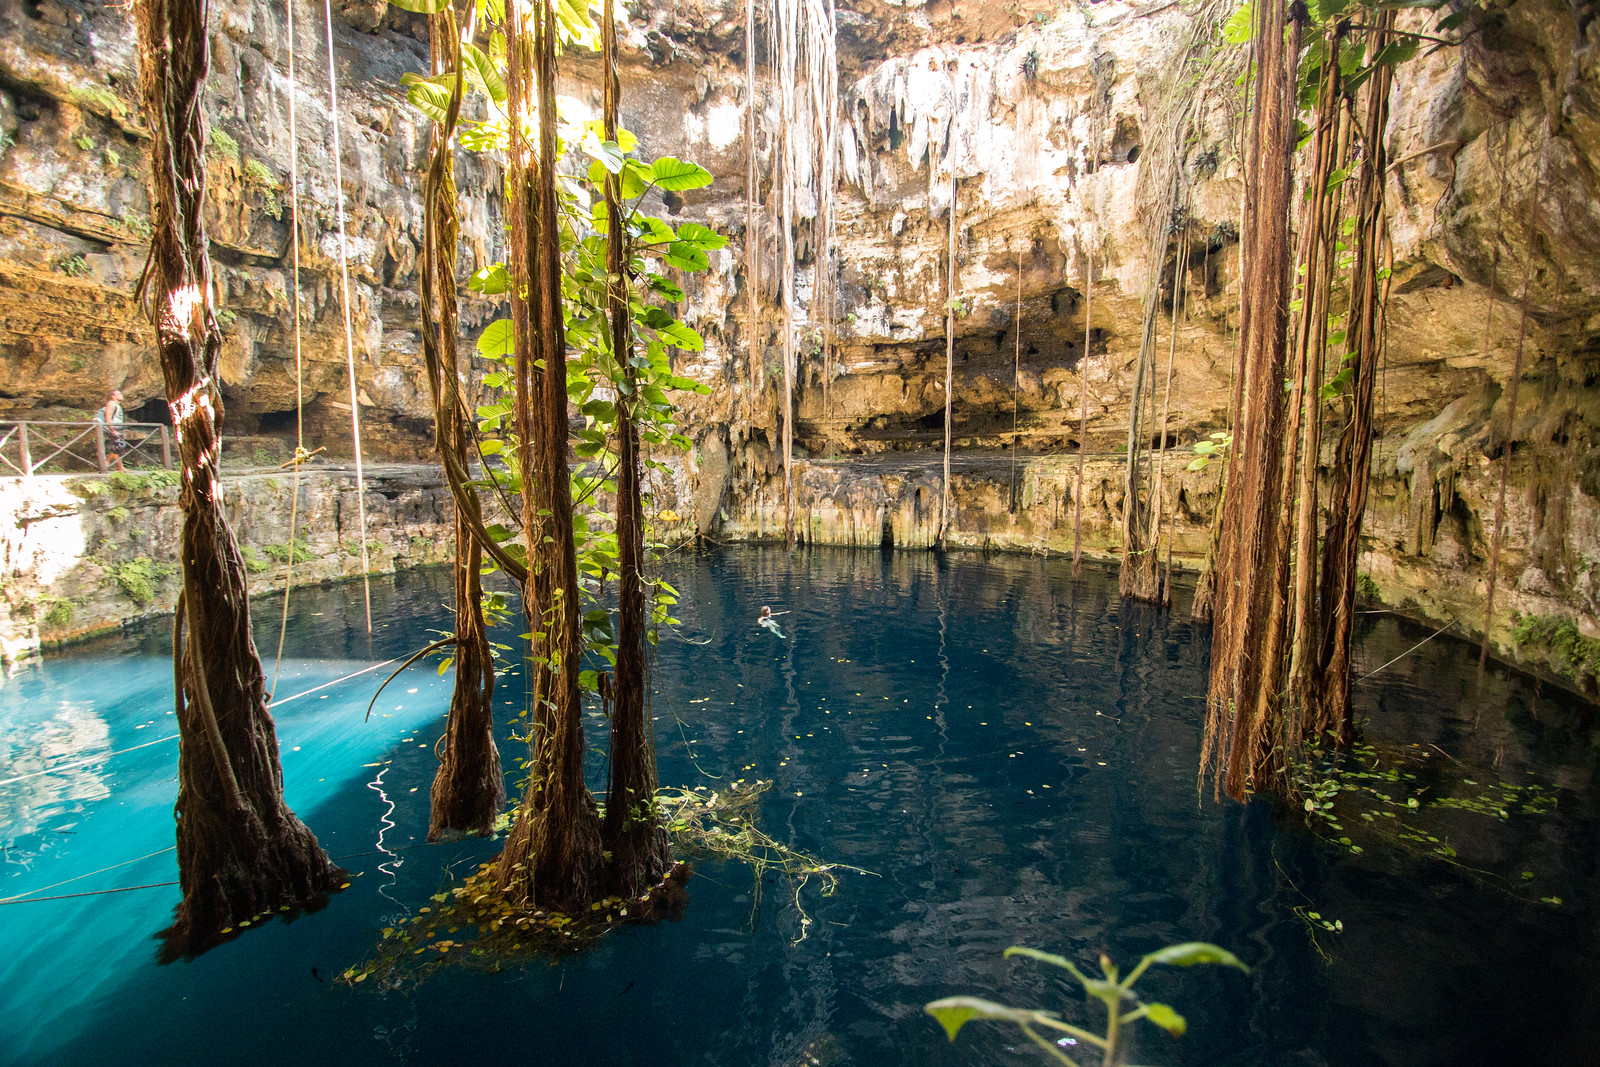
<point x="1047" y="114"/>
<point x="83" y="554"/>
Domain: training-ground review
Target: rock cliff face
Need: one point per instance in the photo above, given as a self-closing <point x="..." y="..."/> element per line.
<point x="83" y="555"/>
<point x="1049" y="116"/>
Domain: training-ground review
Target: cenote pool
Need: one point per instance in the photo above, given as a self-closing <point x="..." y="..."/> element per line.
<point x="1012" y="755"/>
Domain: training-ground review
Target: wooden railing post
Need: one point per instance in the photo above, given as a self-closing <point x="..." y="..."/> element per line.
<point x="100" y="446"/>
<point x="27" y="453"/>
<point x="166" y="449"/>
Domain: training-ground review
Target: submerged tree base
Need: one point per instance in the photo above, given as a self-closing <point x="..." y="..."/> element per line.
<point x="494" y="932"/>
<point x="477" y="925"/>
<point x="186" y="939"/>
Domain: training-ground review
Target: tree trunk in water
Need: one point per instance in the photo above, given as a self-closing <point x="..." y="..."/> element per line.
<point x="242" y="854"/>
<point x="640" y="851"/>
<point x="552" y="855"/>
<point x="1243" y="714"/>
<point x="468" y="789"/>
<point x="1348" y="496"/>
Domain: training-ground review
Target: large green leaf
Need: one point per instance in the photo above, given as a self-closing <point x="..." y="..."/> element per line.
<point x="676" y="175"/>
<point x="428" y="96"/>
<point x="487" y="74"/>
<point x="491" y="280"/>
<point x="1192" y="952"/>
<point x="1047" y="957"/>
<point x="1240" y="26"/>
<point x="955" y="1012"/>
<point x="575" y="24"/>
<point x="680" y="336"/>
<point x="1169" y="1020"/>
<point x="422" y="7"/>
<point x="702" y="237"/>
<point x="497" y="340"/>
<point x="632" y="184"/>
<point x="686" y="257"/>
<point x="607" y="153"/>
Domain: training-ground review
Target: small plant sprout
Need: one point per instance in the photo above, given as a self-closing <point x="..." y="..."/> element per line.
<point x="1207" y="451"/>
<point x="1122" y="1007"/>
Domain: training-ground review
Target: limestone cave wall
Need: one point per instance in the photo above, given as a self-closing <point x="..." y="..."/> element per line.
<point x="1050" y="114"/>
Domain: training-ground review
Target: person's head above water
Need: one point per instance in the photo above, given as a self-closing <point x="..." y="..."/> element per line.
<point x="765" y="611"/>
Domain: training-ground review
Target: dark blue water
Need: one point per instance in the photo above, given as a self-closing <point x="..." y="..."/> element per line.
<point x="1012" y="754"/>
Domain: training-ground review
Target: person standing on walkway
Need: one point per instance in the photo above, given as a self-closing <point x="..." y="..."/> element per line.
<point x="113" y="418"/>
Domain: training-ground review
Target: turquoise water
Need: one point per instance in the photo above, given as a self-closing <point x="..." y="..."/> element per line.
<point x="1010" y="753"/>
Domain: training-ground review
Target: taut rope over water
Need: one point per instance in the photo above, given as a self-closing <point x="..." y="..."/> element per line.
<point x="349" y="331"/>
<point x="299" y="377"/>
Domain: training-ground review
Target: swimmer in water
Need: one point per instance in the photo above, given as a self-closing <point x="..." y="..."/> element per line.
<point x="766" y="620"/>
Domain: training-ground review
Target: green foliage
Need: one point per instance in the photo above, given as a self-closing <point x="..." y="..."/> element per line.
<point x="137" y="225"/>
<point x="1214" y="450"/>
<point x="1557" y="640"/>
<point x="88" y="490"/>
<point x="253" y="562"/>
<point x="58" y="611"/>
<point x="74" y="266"/>
<point x="1359" y="797"/>
<point x="283" y="553"/>
<point x="604" y="384"/>
<point x="257" y="175"/>
<point x="97" y="98"/>
<point x="112" y="158"/>
<point x="136" y="483"/>
<point x="84" y="141"/>
<point x="1366" y="588"/>
<point x="6" y="140"/>
<point x="117" y="514"/>
<point x="1122" y="1007"/>
<point x="137" y="578"/>
<point x="223" y="144"/>
<point x="265" y="458"/>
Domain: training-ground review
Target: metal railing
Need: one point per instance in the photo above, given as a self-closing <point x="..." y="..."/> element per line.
<point x="29" y="447"/>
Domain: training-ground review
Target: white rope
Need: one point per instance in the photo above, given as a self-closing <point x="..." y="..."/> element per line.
<point x="171" y="737"/>
<point x="349" y="332"/>
<point x="299" y="381"/>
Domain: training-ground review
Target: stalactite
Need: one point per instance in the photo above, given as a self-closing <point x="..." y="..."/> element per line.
<point x="241" y="852"/>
